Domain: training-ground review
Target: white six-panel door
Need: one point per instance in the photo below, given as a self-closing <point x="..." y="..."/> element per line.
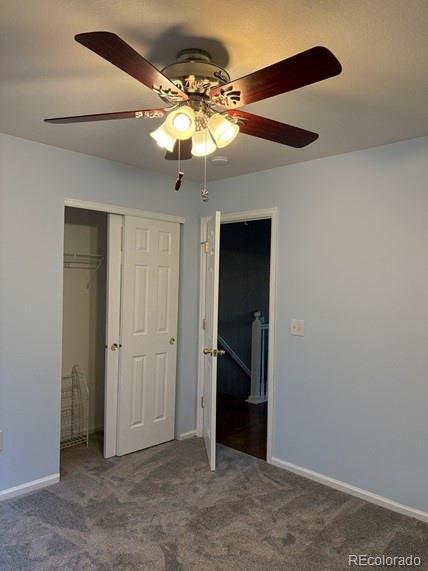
<point x="210" y="337"/>
<point x="147" y="376"/>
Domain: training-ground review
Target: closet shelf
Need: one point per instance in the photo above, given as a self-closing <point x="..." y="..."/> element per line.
<point x="75" y="261"/>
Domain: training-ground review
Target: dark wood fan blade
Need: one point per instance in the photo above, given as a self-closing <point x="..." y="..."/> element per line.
<point x="273" y="130"/>
<point x="119" y="53"/>
<point x="297" y="71"/>
<point x="185" y="151"/>
<point x="140" y="114"/>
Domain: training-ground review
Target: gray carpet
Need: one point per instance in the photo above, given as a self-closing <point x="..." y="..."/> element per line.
<point x="163" y="509"/>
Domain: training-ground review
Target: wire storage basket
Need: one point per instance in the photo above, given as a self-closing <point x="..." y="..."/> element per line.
<point x="74" y="409"/>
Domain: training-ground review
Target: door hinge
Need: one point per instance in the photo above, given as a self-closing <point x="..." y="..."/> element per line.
<point x="205" y="245"/>
<point x="204" y="323"/>
<point x="202" y="402"/>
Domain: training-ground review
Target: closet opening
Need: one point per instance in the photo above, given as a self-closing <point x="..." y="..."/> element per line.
<point x="84" y="334"/>
<point x="243" y="333"/>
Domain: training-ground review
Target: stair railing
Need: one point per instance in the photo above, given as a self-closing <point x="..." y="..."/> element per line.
<point x="231" y="353"/>
<point x="259" y="336"/>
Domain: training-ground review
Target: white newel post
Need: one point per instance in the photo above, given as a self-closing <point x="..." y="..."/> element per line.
<point x="257" y="395"/>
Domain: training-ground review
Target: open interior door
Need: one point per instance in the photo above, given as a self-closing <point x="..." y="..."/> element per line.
<point x="209" y="394"/>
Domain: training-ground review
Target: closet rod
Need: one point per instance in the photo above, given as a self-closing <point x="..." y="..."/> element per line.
<point x="75" y="261"/>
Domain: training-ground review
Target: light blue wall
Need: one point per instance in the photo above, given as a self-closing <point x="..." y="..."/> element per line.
<point x="34" y="180"/>
<point x="352" y="394"/>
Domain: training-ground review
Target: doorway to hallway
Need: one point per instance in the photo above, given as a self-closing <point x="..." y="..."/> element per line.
<point x="243" y="332"/>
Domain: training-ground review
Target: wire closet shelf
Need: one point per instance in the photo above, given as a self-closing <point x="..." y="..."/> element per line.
<point x="75" y="261"/>
<point x="74" y="409"/>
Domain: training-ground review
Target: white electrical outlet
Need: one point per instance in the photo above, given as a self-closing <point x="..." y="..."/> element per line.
<point x="297" y="327"/>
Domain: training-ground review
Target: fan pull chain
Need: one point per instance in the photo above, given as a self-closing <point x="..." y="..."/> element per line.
<point x="204" y="192"/>
<point x="180" y="174"/>
<point x="179" y="156"/>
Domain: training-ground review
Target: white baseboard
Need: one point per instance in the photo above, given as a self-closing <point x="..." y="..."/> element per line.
<point x="29" y="487"/>
<point x="186" y="435"/>
<point x="352" y="490"/>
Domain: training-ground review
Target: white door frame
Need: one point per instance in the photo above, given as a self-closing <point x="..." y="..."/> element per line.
<point x="124" y="210"/>
<point x="113" y="314"/>
<point x="247" y="215"/>
<point x="112" y="387"/>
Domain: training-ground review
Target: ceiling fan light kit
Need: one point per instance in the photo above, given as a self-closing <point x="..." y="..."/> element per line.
<point x="163" y="138"/>
<point x="180" y="123"/>
<point x="203" y="103"/>
<point x="207" y="130"/>
<point x="222" y="129"/>
<point x="202" y="143"/>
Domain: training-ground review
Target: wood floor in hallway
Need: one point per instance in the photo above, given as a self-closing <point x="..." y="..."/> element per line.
<point x="242" y="426"/>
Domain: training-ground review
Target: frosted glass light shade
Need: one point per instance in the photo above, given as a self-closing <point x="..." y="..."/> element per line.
<point x="163" y="138"/>
<point x="181" y="123"/>
<point x="202" y="143"/>
<point x="222" y="130"/>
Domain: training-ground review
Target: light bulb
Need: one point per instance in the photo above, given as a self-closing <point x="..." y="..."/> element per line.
<point x="181" y="123"/>
<point x="202" y="143"/>
<point x="163" y="138"/>
<point x="223" y="130"/>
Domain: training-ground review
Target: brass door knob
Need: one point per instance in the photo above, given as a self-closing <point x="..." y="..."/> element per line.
<point x="172" y="341"/>
<point x="114" y="346"/>
<point x="215" y="352"/>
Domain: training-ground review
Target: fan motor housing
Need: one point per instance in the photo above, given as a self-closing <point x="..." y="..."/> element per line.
<point x="194" y="73"/>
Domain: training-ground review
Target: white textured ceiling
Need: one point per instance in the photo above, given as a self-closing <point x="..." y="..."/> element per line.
<point x="380" y="97"/>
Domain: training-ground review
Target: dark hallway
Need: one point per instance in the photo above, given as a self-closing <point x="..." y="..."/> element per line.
<point x="243" y="290"/>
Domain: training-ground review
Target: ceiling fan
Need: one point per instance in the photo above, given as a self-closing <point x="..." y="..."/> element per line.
<point x="203" y="104"/>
